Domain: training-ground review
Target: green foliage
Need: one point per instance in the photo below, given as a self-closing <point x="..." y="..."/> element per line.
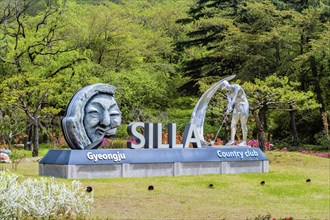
<point x="279" y="127"/>
<point x="180" y="116"/>
<point x="322" y="139"/>
<point x="138" y="90"/>
<point x="131" y="48"/>
<point x="37" y="56"/>
<point x="276" y="93"/>
<point x="115" y="143"/>
<point x="17" y="157"/>
<point x="11" y="124"/>
<point x="279" y="92"/>
<point x="122" y="131"/>
<point x="150" y="50"/>
<point x="255" y="39"/>
<point x="44" y="198"/>
<point x="233" y="37"/>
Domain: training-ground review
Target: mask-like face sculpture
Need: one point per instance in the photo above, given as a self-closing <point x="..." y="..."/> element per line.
<point x="102" y="117"/>
<point x="91" y="115"/>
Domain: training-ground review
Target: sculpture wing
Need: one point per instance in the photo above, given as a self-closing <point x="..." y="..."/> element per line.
<point x="198" y="115"/>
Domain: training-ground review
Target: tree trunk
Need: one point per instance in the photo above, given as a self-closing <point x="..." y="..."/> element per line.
<point x="277" y="53"/>
<point x="263" y="118"/>
<point x="28" y="144"/>
<point x="295" y="139"/>
<point x="1" y="121"/>
<point x="35" y="149"/>
<point x="1" y="115"/>
<point x="260" y="131"/>
<point x="317" y="87"/>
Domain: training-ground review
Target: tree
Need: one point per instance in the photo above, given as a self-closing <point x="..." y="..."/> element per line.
<point x="38" y="60"/>
<point x="131" y="46"/>
<point x="311" y="64"/>
<point x="140" y="92"/>
<point x="233" y="37"/>
<point x="11" y="124"/>
<point x="279" y="94"/>
<point x="255" y="39"/>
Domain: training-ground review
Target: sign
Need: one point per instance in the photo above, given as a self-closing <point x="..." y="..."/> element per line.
<point x="153" y="136"/>
<point x="122" y="156"/>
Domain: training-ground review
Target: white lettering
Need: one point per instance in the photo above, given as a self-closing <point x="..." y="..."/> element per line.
<point x="132" y="131"/>
<point x="90" y="156"/>
<point x="116" y="157"/>
<point x="190" y="136"/>
<point x="171" y="128"/>
<point x="241" y="154"/>
<point x="95" y="157"/>
<point x="230" y="154"/>
<point x="152" y="137"/>
<point x="158" y="136"/>
<point x="252" y="153"/>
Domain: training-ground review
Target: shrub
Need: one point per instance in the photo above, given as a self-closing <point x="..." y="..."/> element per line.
<point x="119" y="143"/>
<point x="41" y="199"/>
<point x="17" y="157"/>
<point x="109" y="143"/>
<point x="322" y="139"/>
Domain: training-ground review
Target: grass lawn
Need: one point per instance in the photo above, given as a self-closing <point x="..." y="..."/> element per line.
<point x="241" y="196"/>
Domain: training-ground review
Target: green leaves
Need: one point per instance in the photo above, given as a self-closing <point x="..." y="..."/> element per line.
<point x="139" y="90"/>
<point x="278" y="93"/>
<point x="49" y="50"/>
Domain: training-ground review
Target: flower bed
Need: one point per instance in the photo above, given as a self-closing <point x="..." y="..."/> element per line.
<point x="318" y="154"/>
<point x="41" y="199"/>
<point x="4" y="158"/>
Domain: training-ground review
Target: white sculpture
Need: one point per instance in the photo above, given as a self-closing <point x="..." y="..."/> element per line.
<point x="198" y="115"/>
<point x="238" y="103"/>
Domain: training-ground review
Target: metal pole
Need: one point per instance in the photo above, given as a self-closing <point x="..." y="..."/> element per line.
<point x="220" y="128"/>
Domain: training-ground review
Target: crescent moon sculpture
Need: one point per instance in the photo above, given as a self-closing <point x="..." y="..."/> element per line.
<point x="198" y="114"/>
<point x="91" y="115"/>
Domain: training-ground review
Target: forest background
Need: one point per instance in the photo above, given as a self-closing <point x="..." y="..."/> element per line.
<point x="161" y="55"/>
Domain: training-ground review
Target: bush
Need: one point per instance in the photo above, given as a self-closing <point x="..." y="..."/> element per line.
<point x="17" y="157"/>
<point x="122" y="131"/>
<point x="44" y="198"/>
<point x="322" y="139"/>
<point x="113" y="143"/>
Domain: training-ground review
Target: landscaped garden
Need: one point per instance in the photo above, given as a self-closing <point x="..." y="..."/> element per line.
<point x="161" y="56"/>
<point x="297" y="187"/>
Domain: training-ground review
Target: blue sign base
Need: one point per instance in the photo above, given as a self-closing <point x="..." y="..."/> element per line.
<point x="110" y="163"/>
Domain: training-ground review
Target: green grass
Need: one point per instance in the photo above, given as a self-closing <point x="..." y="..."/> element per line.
<point x="238" y="196"/>
<point x="43" y="149"/>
